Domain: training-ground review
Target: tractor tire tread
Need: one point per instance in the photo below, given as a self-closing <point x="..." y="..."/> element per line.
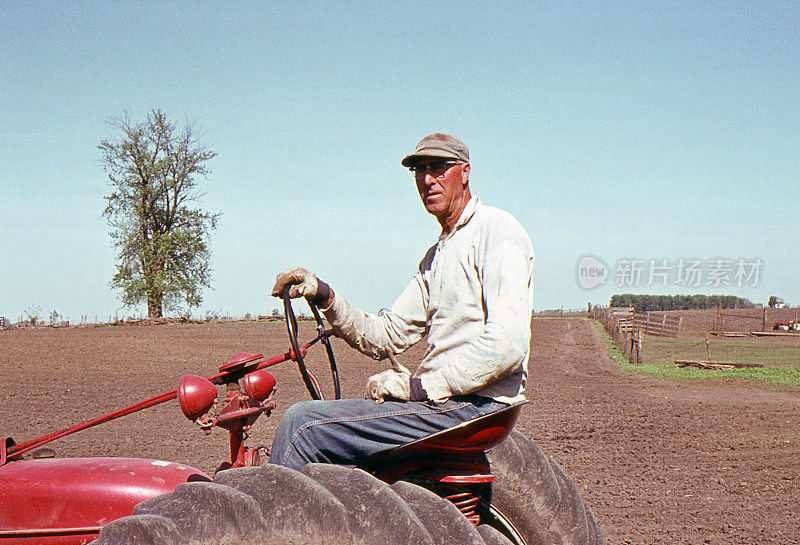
<point x="491" y="536"/>
<point x="394" y="523"/>
<point x="326" y="504"/>
<point x="443" y="520"/>
<point x="537" y="497"/>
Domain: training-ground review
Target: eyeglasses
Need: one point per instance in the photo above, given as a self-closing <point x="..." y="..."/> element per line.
<point x="436" y="169"/>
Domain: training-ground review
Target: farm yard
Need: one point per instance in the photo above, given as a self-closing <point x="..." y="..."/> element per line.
<point x="696" y="323"/>
<point x="659" y="461"/>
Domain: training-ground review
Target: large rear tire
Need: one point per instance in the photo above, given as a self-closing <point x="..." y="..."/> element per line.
<point x="491" y="536"/>
<point x="532" y="502"/>
<point x="323" y="505"/>
<point x="534" y="495"/>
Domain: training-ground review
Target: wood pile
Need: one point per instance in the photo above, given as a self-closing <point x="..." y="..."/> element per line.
<point x="715" y="365"/>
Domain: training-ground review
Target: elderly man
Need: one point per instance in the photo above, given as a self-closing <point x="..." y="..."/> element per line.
<point x="472" y="300"/>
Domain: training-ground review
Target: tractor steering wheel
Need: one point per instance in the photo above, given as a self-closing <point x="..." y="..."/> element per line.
<point x="291" y="327"/>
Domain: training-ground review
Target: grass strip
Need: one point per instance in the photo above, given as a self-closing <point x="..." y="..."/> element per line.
<point x="778" y="376"/>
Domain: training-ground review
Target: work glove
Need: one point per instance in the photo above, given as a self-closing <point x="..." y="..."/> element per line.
<point x="302" y="283"/>
<point x="396" y="383"/>
<point x="389" y="384"/>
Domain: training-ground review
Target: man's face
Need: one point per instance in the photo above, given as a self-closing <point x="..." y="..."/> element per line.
<point x="442" y="186"/>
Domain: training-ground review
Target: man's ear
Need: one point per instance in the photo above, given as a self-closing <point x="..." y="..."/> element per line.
<point x="465" y="174"/>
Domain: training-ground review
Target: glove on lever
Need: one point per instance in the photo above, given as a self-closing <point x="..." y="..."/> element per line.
<point x="389" y="384"/>
<point x="395" y="383"/>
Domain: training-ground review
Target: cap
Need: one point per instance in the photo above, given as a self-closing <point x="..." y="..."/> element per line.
<point x="438" y="145"/>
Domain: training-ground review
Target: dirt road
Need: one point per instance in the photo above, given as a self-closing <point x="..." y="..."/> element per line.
<point x="664" y="462"/>
<point x="659" y="462"/>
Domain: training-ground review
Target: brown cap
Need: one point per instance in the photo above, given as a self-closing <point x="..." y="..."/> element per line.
<point x="438" y="145"/>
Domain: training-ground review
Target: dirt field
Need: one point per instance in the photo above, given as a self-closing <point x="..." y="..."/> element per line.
<point x="659" y="462"/>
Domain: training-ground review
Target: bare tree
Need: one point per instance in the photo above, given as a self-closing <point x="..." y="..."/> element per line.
<point x="32" y="314"/>
<point x="161" y="240"/>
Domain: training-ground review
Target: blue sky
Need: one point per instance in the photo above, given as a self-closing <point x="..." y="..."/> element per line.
<point x="624" y="132"/>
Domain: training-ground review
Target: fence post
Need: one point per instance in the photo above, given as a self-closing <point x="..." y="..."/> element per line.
<point x="639" y="357"/>
<point x="633" y="347"/>
<point x="628" y="345"/>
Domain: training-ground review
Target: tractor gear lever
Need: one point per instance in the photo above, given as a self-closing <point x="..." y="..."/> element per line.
<point x="390" y="384"/>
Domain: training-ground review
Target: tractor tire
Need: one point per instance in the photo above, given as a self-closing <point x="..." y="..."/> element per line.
<point x="322" y="505"/>
<point x="493" y="537"/>
<point x="444" y="522"/>
<point x="533" y="496"/>
<point x="531" y="502"/>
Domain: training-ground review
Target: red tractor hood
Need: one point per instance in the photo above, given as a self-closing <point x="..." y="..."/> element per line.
<point x="67" y="500"/>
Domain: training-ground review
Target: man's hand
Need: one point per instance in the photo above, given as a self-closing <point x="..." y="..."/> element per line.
<point x="390" y="384"/>
<point x="305" y="284"/>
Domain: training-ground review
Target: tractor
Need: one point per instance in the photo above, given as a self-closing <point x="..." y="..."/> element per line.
<point x="792" y="325"/>
<point x="478" y="483"/>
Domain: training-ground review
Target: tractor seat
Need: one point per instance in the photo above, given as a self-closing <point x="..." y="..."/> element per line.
<point x="456" y="452"/>
<point x="470" y="437"/>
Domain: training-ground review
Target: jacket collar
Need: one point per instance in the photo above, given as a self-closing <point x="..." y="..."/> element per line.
<point x="468" y="212"/>
<point x="466" y="215"/>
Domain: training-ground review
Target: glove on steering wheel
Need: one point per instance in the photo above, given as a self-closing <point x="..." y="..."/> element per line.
<point x="302" y="283"/>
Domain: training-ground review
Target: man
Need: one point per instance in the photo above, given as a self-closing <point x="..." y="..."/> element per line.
<point x="472" y="297"/>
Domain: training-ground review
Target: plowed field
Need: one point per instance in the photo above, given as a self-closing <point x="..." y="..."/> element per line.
<point x="659" y="462"/>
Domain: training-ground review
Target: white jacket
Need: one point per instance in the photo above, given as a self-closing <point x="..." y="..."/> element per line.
<point x="472" y="297"/>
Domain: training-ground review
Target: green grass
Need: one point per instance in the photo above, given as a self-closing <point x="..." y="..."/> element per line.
<point x="775" y="375"/>
<point x="666" y="350"/>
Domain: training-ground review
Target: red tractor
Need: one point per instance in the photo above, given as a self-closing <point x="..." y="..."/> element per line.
<point x="477" y="483"/>
<point x="787" y="326"/>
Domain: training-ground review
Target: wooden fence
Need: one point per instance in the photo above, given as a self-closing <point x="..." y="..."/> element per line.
<point x="626" y="327"/>
<point x="658" y="323"/>
<point x="620" y="324"/>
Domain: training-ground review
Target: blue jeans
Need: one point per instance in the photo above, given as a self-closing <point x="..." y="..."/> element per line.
<point x="346" y="431"/>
